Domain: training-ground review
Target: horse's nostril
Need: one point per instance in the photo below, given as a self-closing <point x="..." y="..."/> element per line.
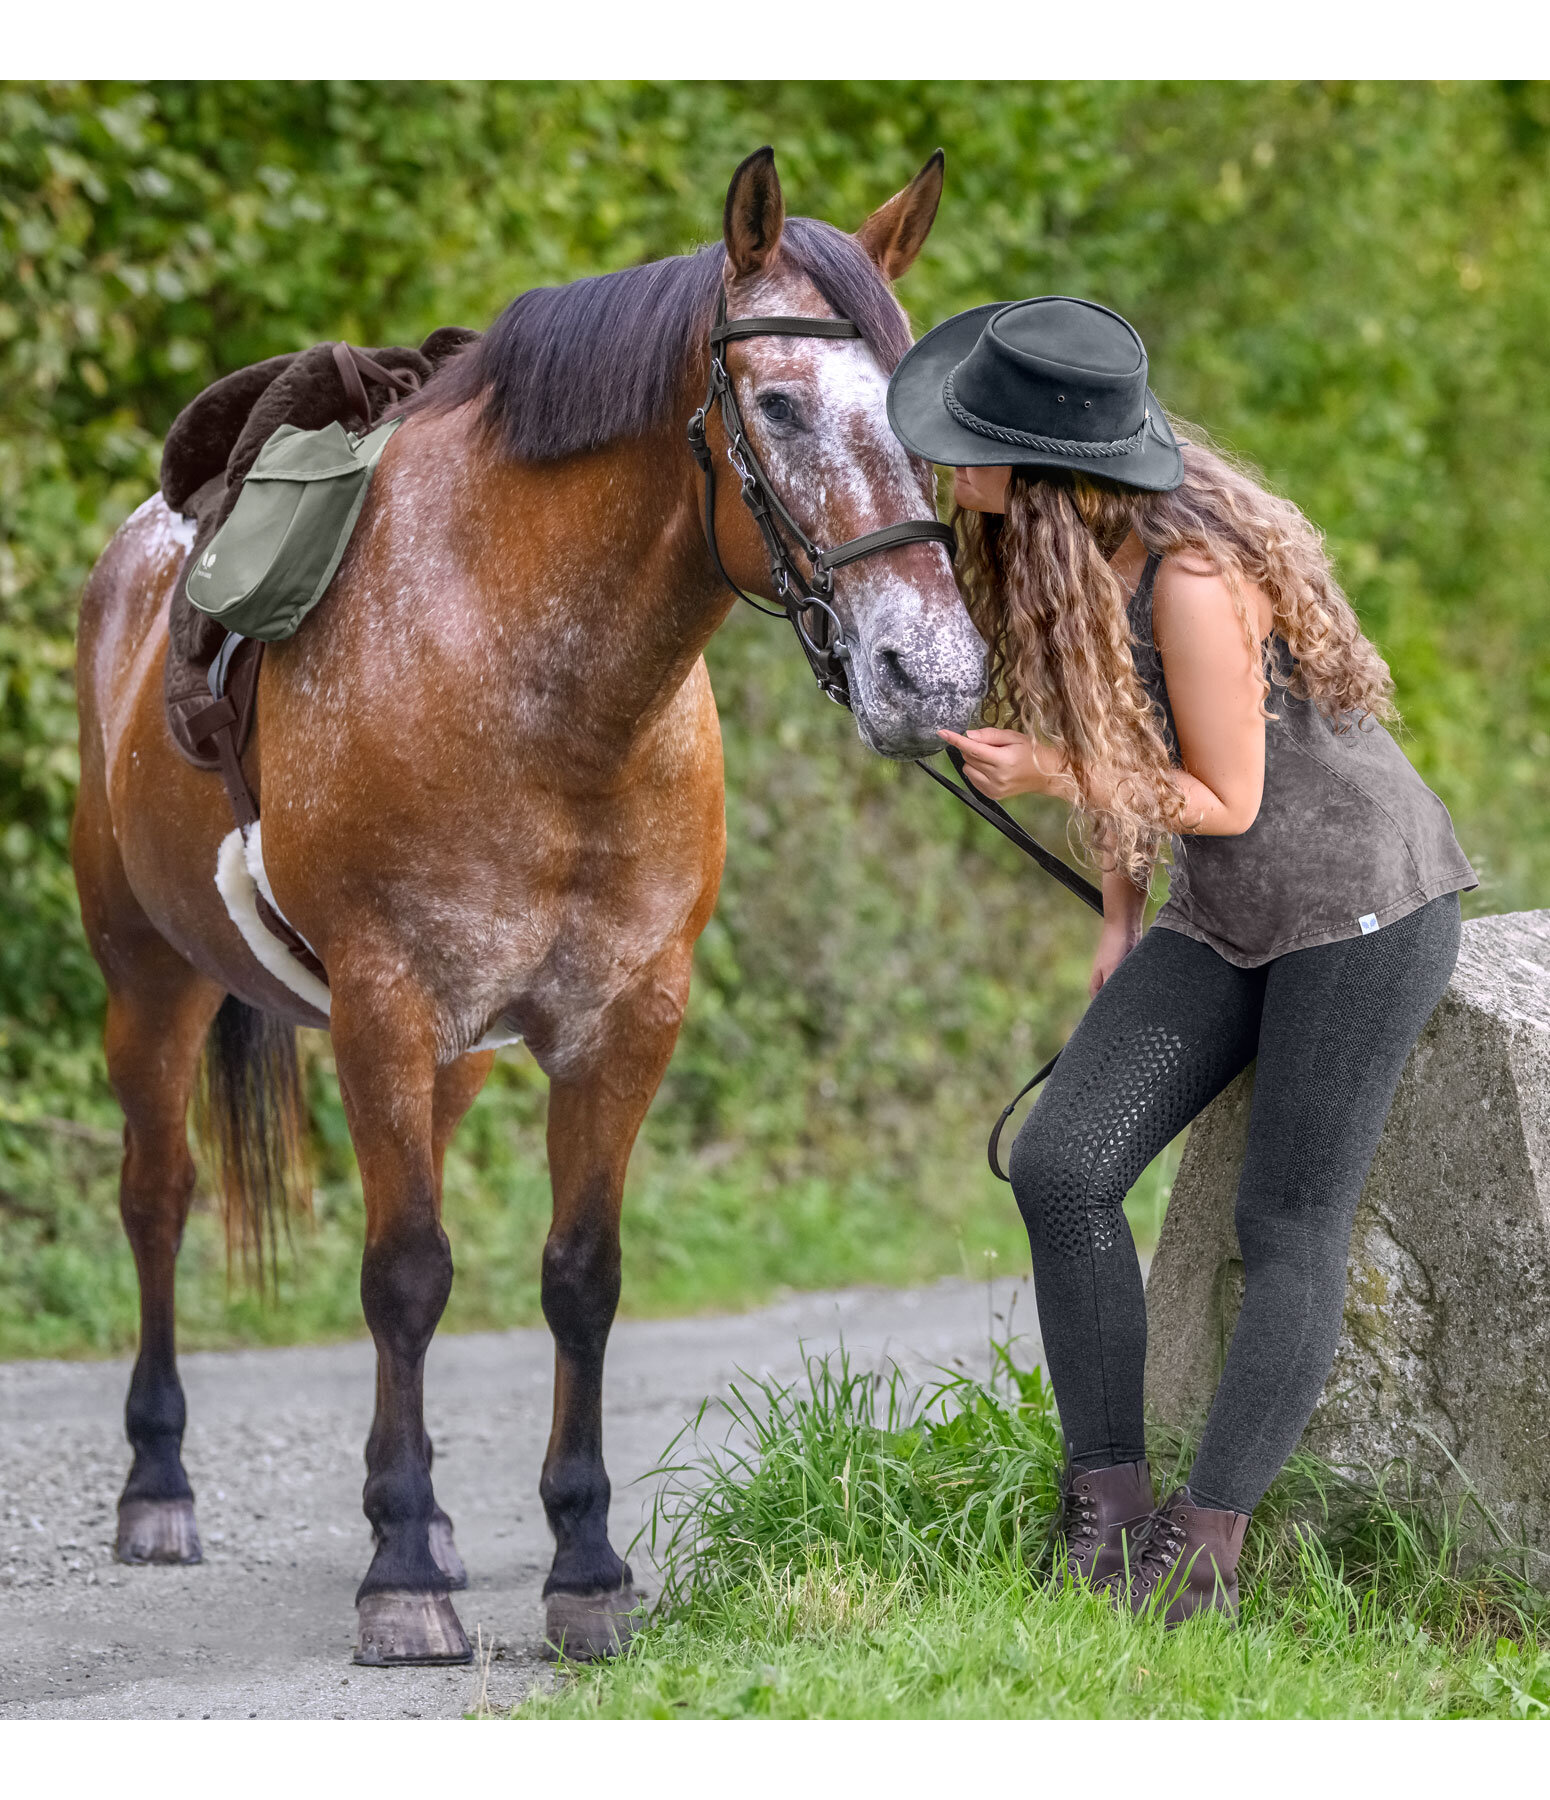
<point x="895" y="672"/>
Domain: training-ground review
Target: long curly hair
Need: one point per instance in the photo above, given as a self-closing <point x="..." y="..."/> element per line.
<point x="1040" y="589"/>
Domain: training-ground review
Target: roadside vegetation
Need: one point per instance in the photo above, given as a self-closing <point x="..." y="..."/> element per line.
<point x="846" y="1547"/>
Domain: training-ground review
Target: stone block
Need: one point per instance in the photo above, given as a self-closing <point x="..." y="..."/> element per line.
<point x="1444" y="1358"/>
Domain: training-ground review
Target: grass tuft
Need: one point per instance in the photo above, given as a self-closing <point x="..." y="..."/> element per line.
<point x="854" y="1546"/>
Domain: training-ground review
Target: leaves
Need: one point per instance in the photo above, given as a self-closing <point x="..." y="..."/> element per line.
<point x="1344" y="281"/>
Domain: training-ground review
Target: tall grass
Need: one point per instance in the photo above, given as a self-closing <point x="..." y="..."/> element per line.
<point x="912" y="1485"/>
<point x="853" y="1544"/>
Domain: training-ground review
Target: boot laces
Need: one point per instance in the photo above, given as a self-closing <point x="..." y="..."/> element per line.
<point x="1078" y="1514"/>
<point x="1157" y="1544"/>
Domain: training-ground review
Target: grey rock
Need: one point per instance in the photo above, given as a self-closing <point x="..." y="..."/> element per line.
<point x="1445" y="1349"/>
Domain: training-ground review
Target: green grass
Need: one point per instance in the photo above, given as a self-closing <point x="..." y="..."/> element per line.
<point x="869" y="1553"/>
<point x="705" y="1230"/>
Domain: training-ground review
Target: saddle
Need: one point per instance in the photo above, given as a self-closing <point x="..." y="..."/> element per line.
<point x="211" y="447"/>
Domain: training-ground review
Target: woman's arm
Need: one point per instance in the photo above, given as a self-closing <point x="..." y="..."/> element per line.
<point x="1213" y="689"/>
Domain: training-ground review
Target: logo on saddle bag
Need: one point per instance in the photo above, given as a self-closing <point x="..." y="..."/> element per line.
<point x="289" y="530"/>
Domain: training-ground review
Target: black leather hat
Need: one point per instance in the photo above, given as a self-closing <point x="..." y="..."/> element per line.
<point x="1052" y="382"/>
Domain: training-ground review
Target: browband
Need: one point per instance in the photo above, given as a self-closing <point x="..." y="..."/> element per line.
<point x="785" y="326"/>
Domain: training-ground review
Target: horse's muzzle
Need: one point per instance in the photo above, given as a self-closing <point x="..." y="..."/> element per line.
<point x="905" y="689"/>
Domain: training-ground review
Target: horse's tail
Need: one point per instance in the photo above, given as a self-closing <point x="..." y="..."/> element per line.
<point x="251" y="1115"/>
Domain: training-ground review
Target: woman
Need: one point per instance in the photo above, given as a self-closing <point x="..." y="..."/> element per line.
<point x="1175" y="658"/>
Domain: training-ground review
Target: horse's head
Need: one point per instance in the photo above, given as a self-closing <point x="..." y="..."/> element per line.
<point x="816" y="416"/>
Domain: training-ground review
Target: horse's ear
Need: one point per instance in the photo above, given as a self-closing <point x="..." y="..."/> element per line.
<point x="893" y="235"/>
<point x="755" y="214"/>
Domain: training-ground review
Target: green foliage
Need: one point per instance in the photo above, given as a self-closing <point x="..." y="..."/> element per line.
<point x="852" y="1546"/>
<point x="1344" y="282"/>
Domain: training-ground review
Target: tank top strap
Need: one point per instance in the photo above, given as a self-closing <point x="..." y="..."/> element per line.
<point x="1140" y="606"/>
<point x="1146" y="656"/>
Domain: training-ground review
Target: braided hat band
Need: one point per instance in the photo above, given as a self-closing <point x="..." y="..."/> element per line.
<point x="1031" y="440"/>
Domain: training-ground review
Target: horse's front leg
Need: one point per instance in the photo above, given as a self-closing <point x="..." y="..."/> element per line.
<point x="384" y="1049"/>
<point x="457" y="1087"/>
<point x="593" y="1120"/>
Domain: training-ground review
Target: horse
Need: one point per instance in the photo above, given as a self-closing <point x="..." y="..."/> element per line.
<point x="491" y="782"/>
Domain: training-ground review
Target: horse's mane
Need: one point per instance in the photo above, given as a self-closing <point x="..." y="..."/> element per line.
<point x="569" y="369"/>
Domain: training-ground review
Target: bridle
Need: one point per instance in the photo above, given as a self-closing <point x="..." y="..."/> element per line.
<point x="803" y="596"/>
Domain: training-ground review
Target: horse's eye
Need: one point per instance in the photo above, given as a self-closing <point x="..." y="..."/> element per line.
<point x="779" y="410"/>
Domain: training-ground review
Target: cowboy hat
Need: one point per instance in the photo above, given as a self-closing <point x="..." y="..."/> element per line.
<point x="1050" y="382"/>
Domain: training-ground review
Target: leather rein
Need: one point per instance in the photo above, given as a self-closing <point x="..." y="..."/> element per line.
<point x="804" y="597"/>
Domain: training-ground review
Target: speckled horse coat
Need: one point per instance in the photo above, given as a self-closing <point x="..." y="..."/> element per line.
<point x="491" y="781"/>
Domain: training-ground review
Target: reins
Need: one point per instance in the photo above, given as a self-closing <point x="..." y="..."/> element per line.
<point x="800" y="594"/>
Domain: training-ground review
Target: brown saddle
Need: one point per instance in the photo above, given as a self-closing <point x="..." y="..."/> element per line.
<point x="210" y="448"/>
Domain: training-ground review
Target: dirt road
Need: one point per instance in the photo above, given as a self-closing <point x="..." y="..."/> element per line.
<point x="265" y="1626"/>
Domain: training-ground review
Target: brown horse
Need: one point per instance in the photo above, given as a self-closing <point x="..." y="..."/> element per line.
<point x="491" y="781"/>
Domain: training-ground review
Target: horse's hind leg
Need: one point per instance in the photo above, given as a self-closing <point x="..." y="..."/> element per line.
<point x="159" y="1010"/>
<point x="385" y="1056"/>
<point x="155" y="1030"/>
<point x="593" y="1121"/>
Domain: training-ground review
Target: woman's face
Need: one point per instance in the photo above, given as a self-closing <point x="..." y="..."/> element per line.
<point x="982" y="490"/>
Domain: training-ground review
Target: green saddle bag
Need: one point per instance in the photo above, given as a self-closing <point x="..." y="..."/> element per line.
<point x="271" y="562"/>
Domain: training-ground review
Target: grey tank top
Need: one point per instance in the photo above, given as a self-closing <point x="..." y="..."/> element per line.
<point x="1348" y="838"/>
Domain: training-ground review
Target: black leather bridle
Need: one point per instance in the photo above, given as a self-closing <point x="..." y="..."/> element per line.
<point x="802" y="596"/>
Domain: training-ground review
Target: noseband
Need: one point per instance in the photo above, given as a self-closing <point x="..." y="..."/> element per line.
<point x="804" y="597"/>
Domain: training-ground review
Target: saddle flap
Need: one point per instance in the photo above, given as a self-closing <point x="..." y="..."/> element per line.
<point x="192" y="698"/>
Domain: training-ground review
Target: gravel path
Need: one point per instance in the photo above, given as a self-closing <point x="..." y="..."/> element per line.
<point x="265" y="1626"/>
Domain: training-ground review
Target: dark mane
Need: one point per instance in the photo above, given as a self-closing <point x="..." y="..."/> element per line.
<point x="569" y="369"/>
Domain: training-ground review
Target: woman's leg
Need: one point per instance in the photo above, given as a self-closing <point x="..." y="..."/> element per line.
<point x="1166" y="1033"/>
<point x="1339" y="1023"/>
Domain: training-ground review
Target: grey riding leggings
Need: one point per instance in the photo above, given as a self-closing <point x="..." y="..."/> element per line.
<point x="1331" y="1028"/>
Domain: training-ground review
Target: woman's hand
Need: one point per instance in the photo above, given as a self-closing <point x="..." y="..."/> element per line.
<point x="1115" y="942"/>
<point x="1124" y="909"/>
<point x="998" y="762"/>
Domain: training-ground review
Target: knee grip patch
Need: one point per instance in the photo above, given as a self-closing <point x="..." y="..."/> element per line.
<point x="1075" y="1161"/>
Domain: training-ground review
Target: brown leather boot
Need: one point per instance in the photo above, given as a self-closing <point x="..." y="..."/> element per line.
<point x="1099" y="1507"/>
<point x="1185" y="1560"/>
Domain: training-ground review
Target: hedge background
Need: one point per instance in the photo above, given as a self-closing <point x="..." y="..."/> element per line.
<point x="1347" y="283"/>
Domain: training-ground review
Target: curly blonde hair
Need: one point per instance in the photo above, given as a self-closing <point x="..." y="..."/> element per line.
<point x="1040" y="589"/>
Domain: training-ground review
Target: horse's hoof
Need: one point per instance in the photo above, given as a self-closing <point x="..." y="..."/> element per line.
<point x="444" y="1552"/>
<point x="397" y="1626"/>
<point x="585" y="1627"/>
<point x="157" y="1531"/>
